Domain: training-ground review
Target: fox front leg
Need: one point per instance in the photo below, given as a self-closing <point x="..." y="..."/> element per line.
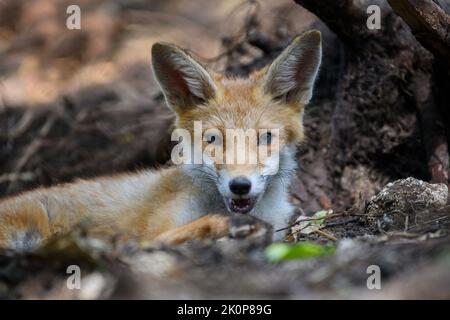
<point x="209" y="226"/>
<point x="214" y="226"/>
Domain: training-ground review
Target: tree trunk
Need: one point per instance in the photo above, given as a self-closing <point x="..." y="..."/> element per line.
<point x="389" y="119"/>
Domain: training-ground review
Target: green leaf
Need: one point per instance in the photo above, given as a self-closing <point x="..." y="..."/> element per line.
<point x="282" y="251"/>
<point x="320" y="216"/>
<point x="307" y="225"/>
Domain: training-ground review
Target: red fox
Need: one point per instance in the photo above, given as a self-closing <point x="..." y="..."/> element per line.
<point x="190" y="201"/>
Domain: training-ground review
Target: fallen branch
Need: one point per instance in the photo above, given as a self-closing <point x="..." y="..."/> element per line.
<point x="343" y="17"/>
<point x="429" y="24"/>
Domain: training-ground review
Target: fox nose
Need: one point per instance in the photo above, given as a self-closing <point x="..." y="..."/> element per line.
<point x="240" y="186"/>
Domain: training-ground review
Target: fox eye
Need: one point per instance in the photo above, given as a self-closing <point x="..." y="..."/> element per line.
<point x="265" y="138"/>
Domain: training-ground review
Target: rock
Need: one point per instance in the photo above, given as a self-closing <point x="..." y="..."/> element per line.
<point x="399" y="202"/>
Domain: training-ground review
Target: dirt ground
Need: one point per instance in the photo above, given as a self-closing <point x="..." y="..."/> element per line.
<point x="83" y="103"/>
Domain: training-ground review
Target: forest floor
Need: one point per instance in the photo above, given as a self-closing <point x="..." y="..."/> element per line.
<point x="72" y="102"/>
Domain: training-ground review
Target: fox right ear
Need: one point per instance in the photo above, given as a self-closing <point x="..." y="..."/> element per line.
<point x="184" y="82"/>
<point x="292" y="75"/>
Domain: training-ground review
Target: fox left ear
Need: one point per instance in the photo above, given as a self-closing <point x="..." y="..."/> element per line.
<point x="292" y="75"/>
<point x="184" y="82"/>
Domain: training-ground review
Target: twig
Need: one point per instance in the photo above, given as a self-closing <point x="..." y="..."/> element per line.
<point x="406" y="223"/>
<point x="326" y="235"/>
<point x="32" y="148"/>
<point x="24" y="176"/>
<point x="331" y="216"/>
<point x="297" y="231"/>
<point x="437" y="220"/>
<point x="23" y="124"/>
<point x="245" y="34"/>
<point x="334" y="224"/>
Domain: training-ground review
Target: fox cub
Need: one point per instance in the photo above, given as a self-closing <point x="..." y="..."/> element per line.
<point x="191" y="200"/>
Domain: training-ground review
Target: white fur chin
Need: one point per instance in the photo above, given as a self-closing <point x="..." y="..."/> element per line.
<point x="272" y="206"/>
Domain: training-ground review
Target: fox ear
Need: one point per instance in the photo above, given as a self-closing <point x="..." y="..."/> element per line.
<point x="291" y="76"/>
<point x="184" y="82"/>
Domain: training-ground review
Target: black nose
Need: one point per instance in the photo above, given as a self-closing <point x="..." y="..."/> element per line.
<point x="240" y="185"/>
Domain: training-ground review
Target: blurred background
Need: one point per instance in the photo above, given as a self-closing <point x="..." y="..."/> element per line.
<point x="42" y="60"/>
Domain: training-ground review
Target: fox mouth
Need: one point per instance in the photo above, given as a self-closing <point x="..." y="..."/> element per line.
<point x="241" y="205"/>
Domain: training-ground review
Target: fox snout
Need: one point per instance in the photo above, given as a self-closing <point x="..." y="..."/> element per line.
<point x="240" y="186"/>
<point x="240" y="191"/>
<point x="241" y="201"/>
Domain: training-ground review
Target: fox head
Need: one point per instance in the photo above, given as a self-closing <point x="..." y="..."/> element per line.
<point x="267" y="108"/>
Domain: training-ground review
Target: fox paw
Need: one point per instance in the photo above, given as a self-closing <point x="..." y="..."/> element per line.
<point x="246" y="226"/>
